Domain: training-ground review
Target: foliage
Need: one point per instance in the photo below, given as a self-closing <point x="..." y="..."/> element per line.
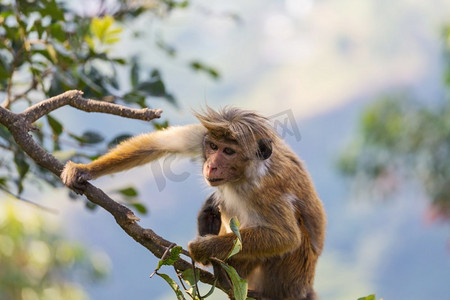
<point x="189" y="279"/>
<point x="47" y="48"/>
<point x="400" y="137"/>
<point x="36" y="263"/>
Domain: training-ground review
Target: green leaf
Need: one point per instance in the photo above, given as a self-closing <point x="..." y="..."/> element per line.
<point x="22" y="167"/>
<point x="128" y="192"/>
<point x="4" y="68"/>
<point x="88" y="137"/>
<point x="153" y="87"/>
<point x="4" y="182"/>
<point x="237" y="247"/>
<point x="141" y="208"/>
<point x="21" y="164"/>
<point x="52" y="53"/>
<point x="64" y="155"/>
<point x="103" y="29"/>
<point x="90" y="42"/>
<point x="189" y="278"/>
<point x="134" y="72"/>
<point x="100" y="25"/>
<point x="90" y="205"/>
<point x="92" y="137"/>
<point x="118" y="139"/>
<point x="234" y="226"/>
<point x="171" y="258"/>
<point x="198" y="66"/>
<point x="135" y="97"/>
<point x="5" y="134"/>
<point x="57" y="32"/>
<point x="53" y="9"/>
<point x="175" y="287"/>
<point x="211" y="291"/>
<point x="55" y="125"/>
<point x="119" y="61"/>
<point x="161" y="125"/>
<point x="37" y="26"/>
<point x="176" y="4"/>
<point x="213" y="73"/>
<point x="171" y="99"/>
<point x="370" y="297"/>
<point x="240" y="285"/>
<point x="170" y="50"/>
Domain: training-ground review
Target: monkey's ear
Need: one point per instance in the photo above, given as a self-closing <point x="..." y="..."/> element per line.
<point x="264" y="149"/>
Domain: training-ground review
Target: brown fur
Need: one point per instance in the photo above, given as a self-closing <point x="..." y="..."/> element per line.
<point x="262" y="183"/>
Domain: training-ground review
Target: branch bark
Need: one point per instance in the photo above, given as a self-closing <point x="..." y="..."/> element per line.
<point x="20" y="124"/>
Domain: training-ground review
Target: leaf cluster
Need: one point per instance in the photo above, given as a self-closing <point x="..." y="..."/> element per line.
<point x="189" y="279"/>
<point x="400" y="137"/>
<point x="45" y="49"/>
<point x="35" y="259"/>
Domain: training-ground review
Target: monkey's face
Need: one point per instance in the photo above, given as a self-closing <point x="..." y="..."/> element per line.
<point x="224" y="161"/>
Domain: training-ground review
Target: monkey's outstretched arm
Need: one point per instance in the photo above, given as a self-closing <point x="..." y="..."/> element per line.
<point x="136" y="151"/>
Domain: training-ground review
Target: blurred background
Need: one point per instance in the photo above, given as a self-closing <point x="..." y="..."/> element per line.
<point x="359" y="89"/>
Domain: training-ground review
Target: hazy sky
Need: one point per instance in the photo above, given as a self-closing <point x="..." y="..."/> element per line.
<point x="305" y="55"/>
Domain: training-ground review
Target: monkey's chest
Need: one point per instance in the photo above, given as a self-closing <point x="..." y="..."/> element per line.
<point x="246" y="218"/>
<point x="234" y="204"/>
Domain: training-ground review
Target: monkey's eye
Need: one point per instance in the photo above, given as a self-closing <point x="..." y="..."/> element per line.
<point x="213" y="146"/>
<point x="229" y="151"/>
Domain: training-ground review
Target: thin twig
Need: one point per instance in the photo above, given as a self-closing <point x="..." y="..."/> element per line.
<point x="180" y="279"/>
<point x="162" y="258"/>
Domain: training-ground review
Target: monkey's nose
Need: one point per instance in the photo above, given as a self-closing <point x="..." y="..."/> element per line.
<point x="210" y="170"/>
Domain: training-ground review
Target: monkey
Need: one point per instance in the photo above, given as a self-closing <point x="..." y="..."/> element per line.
<point x="257" y="178"/>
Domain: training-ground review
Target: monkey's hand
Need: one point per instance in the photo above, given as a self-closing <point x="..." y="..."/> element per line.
<point x="75" y="176"/>
<point x="204" y="247"/>
<point x="201" y="249"/>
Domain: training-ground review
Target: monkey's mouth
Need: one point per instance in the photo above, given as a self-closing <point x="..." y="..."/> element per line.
<point x="214" y="180"/>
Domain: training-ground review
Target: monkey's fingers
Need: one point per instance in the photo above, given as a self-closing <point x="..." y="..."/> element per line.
<point x="74" y="177"/>
<point x="79" y="187"/>
<point x="198" y="252"/>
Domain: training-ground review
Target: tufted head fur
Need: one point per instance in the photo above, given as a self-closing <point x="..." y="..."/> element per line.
<point x="249" y="129"/>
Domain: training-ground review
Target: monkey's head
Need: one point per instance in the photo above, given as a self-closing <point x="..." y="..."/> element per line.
<point x="237" y="139"/>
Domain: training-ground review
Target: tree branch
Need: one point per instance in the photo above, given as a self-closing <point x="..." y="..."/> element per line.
<point x="20" y="124"/>
<point x="75" y="99"/>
